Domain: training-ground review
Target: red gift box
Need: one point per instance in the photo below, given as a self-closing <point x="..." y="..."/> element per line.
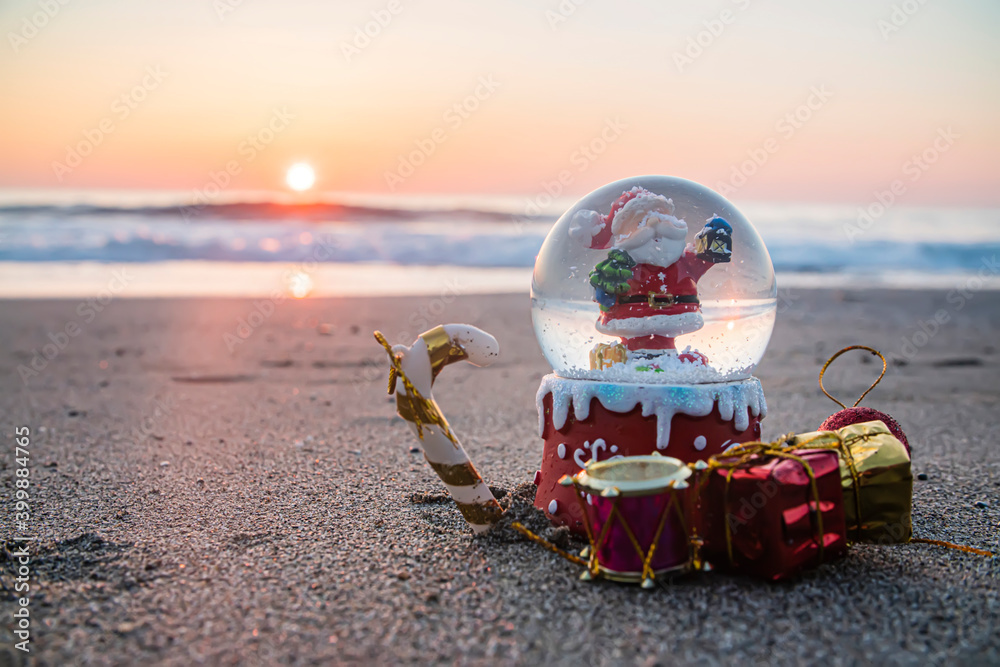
<point x="771" y="512"/>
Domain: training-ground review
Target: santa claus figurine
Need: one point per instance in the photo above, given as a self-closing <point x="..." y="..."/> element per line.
<point x="647" y="287"/>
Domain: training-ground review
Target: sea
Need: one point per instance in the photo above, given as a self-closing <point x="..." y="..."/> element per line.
<point x="71" y="243"/>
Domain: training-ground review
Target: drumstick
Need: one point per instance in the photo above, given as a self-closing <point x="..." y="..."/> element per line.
<point x="417" y="366"/>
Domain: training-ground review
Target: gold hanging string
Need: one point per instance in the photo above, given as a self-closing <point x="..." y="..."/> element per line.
<point x="411" y="405"/>
<point x="848" y="349"/>
<point x="548" y="545"/>
<point x="950" y="545"/>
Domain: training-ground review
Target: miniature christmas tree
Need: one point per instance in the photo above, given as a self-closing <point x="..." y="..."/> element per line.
<point x="610" y="277"/>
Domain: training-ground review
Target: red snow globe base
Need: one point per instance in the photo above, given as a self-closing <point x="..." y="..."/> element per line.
<point x="580" y="420"/>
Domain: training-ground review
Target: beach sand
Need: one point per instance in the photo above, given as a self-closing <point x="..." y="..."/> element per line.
<point x="263" y="505"/>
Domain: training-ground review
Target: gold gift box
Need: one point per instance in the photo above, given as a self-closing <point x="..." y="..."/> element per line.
<point x="877" y="480"/>
<point x="605" y="355"/>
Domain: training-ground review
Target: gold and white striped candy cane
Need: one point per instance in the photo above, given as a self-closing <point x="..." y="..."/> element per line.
<point x="416" y="367"/>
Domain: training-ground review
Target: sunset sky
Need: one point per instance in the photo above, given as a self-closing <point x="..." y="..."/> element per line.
<point x="178" y="88"/>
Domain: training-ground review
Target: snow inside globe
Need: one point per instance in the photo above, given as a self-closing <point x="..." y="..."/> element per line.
<point x="653" y="280"/>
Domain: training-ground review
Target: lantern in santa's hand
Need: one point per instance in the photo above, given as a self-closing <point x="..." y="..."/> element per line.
<point x="653" y="299"/>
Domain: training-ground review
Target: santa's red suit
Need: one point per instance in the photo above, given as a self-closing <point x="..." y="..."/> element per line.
<point x="661" y="304"/>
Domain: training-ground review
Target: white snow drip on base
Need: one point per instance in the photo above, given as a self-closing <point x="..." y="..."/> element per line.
<point x="737" y="401"/>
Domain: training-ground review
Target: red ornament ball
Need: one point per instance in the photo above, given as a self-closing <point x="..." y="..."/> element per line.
<point x="860" y="415"/>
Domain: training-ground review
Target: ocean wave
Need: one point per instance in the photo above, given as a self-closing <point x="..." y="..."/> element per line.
<point x="267" y="210"/>
<point x="471" y="232"/>
<point x="447" y="245"/>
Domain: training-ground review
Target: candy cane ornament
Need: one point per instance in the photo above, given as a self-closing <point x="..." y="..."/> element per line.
<point x="417" y="366"/>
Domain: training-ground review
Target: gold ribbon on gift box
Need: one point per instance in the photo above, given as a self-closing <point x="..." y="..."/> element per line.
<point x="874" y="471"/>
<point x="740" y="455"/>
<point x="876" y="476"/>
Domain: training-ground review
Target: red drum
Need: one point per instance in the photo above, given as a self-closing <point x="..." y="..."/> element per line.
<point x="634" y="511"/>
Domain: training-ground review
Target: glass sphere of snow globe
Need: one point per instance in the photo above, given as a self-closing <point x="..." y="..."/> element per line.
<point x="653" y="279"/>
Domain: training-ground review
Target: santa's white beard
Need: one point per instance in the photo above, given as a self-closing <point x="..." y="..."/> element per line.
<point x="657" y="251"/>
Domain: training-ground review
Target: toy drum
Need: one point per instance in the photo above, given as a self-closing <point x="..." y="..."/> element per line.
<point x="634" y="515"/>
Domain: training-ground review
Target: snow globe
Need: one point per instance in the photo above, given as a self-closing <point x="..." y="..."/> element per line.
<point x="653" y="299"/>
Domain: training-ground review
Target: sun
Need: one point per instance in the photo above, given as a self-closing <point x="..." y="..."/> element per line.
<point x="300" y="177"/>
<point x="300" y="284"/>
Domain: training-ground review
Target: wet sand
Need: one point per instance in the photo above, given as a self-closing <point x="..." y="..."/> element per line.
<point x="201" y="498"/>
